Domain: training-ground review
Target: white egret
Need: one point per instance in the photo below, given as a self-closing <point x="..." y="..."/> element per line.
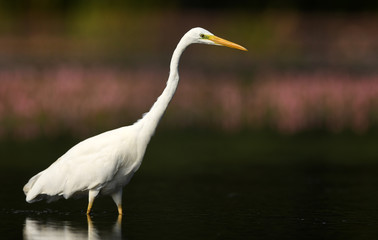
<point x="105" y="163"/>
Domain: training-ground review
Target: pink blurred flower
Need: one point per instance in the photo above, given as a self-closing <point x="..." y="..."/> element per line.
<point x="82" y="101"/>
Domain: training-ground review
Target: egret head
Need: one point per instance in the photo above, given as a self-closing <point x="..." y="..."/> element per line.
<point x="200" y="35"/>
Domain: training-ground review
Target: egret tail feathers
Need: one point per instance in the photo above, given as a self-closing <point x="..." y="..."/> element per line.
<point x="31" y="183"/>
<point x="29" y="189"/>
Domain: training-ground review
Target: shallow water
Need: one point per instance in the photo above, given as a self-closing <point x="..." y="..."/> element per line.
<point x="215" y="197"/>
<point x="312" y="202"/>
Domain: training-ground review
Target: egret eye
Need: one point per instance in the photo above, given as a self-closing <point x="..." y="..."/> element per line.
<point x="202" y="35"/>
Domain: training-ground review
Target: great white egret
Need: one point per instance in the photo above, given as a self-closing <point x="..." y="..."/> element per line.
<point x="105" y="163"/>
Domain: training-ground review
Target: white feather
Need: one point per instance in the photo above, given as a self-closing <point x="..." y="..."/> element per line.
<point x="105" y="163"/>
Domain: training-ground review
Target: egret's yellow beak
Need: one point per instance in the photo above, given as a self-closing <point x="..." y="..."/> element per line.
<point x="225" y="43"/>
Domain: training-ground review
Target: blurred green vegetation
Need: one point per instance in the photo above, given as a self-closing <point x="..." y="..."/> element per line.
<point x="65" y="6"/>
<point x="201" y="151"/>
<point x="127" y="34"/>
<point x="282" y="36"/>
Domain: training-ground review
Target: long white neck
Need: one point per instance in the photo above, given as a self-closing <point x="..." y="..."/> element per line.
<point x="151" y="119"/>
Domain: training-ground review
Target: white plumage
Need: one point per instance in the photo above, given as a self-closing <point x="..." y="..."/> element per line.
<point x="105" y="163"/>
<point x="102" y="162"/>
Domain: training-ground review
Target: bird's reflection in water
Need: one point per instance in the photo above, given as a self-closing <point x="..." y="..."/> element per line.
<point x="56" y="229"/>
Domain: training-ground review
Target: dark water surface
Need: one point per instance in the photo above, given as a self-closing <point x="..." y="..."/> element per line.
<point x="223" y="198"/>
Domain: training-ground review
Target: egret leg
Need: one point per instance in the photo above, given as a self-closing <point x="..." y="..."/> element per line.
<point x="117" y="198"/>
<point x="89" y="221"/>
<point x="92" y="194"/>
<point x="119" y="220"/>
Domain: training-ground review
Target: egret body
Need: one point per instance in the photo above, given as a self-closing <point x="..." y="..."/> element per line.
<point x="105" y="163"/>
